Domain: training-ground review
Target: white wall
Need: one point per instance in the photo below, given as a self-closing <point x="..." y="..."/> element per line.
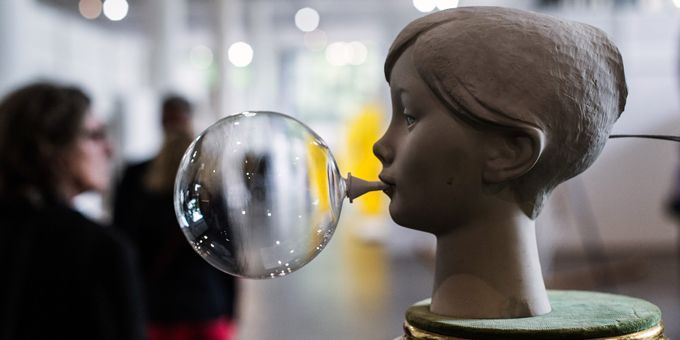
<point x="628" y="185"/>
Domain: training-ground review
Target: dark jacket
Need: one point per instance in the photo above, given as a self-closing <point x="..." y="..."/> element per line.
<point x="64" y="277"/>
<point x="179" y="284"/>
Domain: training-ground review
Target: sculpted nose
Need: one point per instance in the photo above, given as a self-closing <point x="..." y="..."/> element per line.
<point x="382" y="150"/>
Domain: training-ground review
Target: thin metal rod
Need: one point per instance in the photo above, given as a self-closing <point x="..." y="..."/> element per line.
<point x="662" y="137"/>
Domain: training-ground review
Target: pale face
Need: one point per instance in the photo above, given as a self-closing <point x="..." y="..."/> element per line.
<point x="430" y="157"/>
<point x="88" y="159"/>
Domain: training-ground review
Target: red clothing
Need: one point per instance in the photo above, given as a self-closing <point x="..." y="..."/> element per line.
<point x="218" y="329"/>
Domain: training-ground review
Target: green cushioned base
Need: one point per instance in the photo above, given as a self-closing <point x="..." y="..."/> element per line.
<point x="575" y="315"/>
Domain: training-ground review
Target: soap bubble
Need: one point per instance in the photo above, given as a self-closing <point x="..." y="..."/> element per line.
<point x="258" y="194"/>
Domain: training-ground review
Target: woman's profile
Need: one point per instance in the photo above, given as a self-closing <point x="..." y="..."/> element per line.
<point x="64" y="276"/>
<point x="492" y="108"/>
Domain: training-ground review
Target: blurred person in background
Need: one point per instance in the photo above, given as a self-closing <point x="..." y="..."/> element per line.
<point x="186" y="297"/>
<point x="64" y="276"/>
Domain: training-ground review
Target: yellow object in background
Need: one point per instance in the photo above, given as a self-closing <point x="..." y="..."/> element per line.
<point x="364" y="130"/>
<point x="368" y="271"/>
<point x="318" y="184"/>
<point x="316" y="167"/>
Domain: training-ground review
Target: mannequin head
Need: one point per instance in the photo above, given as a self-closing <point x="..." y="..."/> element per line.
<point x="528" y="101"/>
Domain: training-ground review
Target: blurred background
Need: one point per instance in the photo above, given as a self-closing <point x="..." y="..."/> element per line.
<point x="609" y="229"/>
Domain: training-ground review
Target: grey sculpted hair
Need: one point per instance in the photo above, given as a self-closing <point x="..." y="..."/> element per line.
<point x="510" y="69"/>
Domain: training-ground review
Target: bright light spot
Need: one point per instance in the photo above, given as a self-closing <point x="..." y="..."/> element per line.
<point x="676" y="3"/>
<point x="116" y="10"/>
<point x="240" y="54"/>
<point x="342" y="53"/>
<point x="243" y="212"/>
<point x="90" y="9"/>
<point x="337" y="53"/>
<point x="317" y="40"/>
<point x="446" y="4"/>
<point x="424" y="5"/>
<point x="278" y="242"/>
<point x="201" y="57"/>
<point x="359" y="53"/>
<point x="307" y="19"/>
<point x="652" y="5"/>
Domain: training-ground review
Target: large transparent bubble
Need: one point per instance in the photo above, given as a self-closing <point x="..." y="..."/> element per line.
<point x="258" y="194"/>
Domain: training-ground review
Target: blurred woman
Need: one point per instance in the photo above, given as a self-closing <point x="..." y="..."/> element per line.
<point x="187" y="298"/>
<point x="64" y="276"/>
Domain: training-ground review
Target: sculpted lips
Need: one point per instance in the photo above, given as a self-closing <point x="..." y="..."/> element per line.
<point x="390" y="185"/>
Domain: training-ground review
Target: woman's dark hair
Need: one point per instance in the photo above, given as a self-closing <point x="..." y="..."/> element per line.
<point x="174" y="102"/>
<point x="38" y="122"/>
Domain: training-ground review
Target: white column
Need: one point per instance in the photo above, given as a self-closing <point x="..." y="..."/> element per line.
<point x="167" y="24"/>
<point x="265" y="68"/>
<point x="230" y="29"/>
<point x="12" y="14"/>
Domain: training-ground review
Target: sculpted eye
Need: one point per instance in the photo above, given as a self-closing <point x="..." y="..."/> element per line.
<point x="410" y="120"/>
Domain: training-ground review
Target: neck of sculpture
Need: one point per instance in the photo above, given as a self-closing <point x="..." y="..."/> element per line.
<point x="489" y="269"/>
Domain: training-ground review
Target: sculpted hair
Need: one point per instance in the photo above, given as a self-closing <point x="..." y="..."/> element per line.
<point x="38" y="123"/>
<point x="510" y="69"/>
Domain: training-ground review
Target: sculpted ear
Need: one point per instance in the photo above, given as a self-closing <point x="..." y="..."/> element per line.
<point x="511" y="154"/>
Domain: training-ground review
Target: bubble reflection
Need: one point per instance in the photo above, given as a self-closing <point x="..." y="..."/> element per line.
<point x="262" y="190"/>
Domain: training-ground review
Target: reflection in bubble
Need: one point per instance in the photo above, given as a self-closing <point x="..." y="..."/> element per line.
<point x="263" y="190"/>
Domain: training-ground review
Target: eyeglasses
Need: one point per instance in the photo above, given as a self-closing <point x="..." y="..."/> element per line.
<point x="98" y="134"/>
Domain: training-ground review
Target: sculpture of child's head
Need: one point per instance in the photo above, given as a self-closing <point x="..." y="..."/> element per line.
<point x="551" y="86"/>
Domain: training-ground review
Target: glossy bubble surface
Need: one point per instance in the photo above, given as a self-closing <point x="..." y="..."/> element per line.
<point x="258" y="194"/>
